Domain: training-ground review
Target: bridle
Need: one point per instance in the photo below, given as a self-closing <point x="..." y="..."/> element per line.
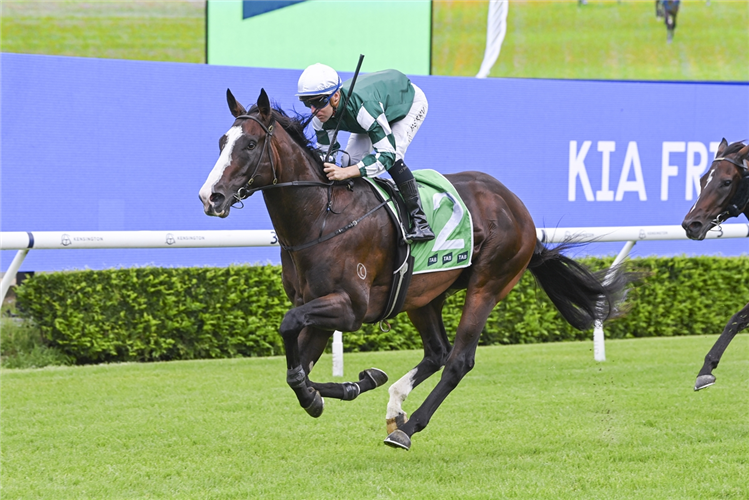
<point x="740" y="198"/>
<point x="246" y="191"/>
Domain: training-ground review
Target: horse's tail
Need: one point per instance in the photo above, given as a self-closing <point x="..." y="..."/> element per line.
<point x="580" y="295"/>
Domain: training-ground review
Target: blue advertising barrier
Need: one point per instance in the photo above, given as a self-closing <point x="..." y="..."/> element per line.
<point x="114" y="145"/>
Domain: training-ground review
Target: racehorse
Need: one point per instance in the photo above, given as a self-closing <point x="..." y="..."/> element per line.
<point x="724" y="194"/>
<point x="338" y="262"/>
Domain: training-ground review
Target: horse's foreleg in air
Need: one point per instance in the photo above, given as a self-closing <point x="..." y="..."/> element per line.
<point x="738" y="322"/>
<point x="428" y="321"/>
<point x="326" y="313"/>
<point x="312" y="343"/>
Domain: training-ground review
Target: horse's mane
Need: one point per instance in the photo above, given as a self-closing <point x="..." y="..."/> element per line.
<point x="295" y="127"/>
<point x="734" y="148"/>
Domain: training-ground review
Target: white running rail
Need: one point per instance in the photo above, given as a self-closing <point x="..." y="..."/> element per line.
<point x="23" y="242"/>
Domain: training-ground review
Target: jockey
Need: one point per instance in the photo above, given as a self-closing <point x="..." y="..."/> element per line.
<point x="384" y="113"/>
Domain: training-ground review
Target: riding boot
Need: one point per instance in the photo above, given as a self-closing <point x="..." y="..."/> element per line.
<point x="420" y="230"/>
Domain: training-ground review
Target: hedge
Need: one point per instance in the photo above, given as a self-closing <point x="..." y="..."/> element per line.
<point x="151" y="313"/>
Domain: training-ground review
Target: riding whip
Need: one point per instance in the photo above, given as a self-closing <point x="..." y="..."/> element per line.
<point x="345" y="103"/>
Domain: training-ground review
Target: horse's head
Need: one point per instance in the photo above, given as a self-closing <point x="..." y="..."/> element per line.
<point x="246" y="157"/>
<point x="724" y="193"/>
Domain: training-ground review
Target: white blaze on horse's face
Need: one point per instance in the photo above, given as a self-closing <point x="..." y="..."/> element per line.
<point x="223" y="162"/>
<point x="712" y="172"/>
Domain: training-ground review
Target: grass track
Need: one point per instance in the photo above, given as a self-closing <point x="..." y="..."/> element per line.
<point x="535" y="421"/>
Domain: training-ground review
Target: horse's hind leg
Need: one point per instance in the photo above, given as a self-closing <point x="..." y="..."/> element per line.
<point x="312" y="343"/>
<point x="738" y="322"/>
<point x="428" y="322"/>
<point x="460" y="361"/>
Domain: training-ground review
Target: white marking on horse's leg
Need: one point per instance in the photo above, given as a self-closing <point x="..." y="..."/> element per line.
<point x="224" y="160"/>
<point x="399" y="392"/>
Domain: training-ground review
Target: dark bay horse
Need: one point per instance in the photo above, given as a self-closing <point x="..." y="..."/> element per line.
<point x="724" y="194"/>
<point x="338" y="262"/>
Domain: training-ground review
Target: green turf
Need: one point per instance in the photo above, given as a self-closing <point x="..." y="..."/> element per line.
<point x="167" y="30"/>
<point x="530" y="421"/>
<point x="600" y="40"/>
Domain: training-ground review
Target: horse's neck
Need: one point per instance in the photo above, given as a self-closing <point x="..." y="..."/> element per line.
<point x="295" y="210"/>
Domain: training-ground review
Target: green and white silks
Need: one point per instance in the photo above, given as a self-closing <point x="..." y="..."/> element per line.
<point x="452" y="247"/>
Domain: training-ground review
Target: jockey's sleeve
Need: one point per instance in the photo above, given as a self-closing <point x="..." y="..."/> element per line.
<point x="371" y="118"/>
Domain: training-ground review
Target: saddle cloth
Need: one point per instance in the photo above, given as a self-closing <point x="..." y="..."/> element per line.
<point x="448" y="217"/>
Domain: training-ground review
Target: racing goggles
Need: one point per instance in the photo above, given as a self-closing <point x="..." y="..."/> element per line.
<point x="316" y="101"/>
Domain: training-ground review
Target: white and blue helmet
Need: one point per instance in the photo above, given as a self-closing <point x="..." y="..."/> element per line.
<point x="318" y="79"/>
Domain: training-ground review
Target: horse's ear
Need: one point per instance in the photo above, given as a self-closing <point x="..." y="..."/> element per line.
<point x="721" y="147"/>
<point x="743" y="152"/>
<point x="263" y="103"/>
<point x="235" y="108"/>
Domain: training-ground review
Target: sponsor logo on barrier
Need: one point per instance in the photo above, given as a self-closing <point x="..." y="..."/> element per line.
<point x="169" y="239"/>
<point x="66" y="240"/>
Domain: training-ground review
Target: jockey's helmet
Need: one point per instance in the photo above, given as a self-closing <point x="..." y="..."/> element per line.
<point x="318" y="80"/>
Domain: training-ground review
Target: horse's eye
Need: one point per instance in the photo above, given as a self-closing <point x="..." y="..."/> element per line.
<point x="251" y="145"/>
<point x="727" y="182"/>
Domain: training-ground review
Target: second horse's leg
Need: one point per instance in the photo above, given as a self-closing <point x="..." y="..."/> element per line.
<point x="738" y="322"/>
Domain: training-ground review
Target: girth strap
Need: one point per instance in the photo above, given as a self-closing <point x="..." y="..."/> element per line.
<point x="335" y="233"/>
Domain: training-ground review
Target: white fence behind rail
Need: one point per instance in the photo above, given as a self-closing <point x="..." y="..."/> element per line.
<point x="23" y="242"/>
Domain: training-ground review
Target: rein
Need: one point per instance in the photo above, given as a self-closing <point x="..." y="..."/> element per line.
<point x="245" y="192"/>
<point x="738" y="203"/>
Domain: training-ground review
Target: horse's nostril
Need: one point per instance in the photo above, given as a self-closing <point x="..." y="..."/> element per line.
<point x="216" y="197"/>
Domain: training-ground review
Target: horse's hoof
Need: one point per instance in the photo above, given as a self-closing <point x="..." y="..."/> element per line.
<point x="394" y="423"/>
<point x="316" y="407"/>
<point x="378" y="376"/>
<point x="398" y="439"/>
<point x="704" y="381"/>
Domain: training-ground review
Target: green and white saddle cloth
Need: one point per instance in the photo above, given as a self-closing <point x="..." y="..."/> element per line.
<point x="449" y="218"/>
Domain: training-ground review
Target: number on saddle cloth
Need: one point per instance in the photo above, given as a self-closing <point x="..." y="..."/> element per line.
<point x="450" y="219"/>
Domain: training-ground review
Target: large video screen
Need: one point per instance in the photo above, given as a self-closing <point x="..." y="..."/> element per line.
<point x="295" y="34"/>
<point x="592" y="39"/>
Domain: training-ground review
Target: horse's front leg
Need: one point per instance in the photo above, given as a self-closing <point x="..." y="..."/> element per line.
<point x="738" y="322"/>
<point x="312" y="343"/>
<point x="330" y="312"/>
